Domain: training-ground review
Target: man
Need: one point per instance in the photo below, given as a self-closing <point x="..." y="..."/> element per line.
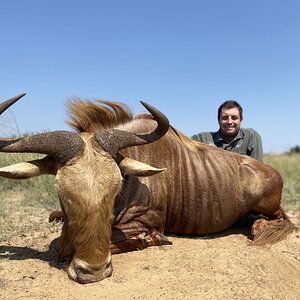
<point x="230" y="135"/>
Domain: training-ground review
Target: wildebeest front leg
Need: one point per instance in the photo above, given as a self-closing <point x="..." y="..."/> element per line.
<point x="135" y="236"/>
<point x="65" y="250"/>
<point x="57" y="215"/>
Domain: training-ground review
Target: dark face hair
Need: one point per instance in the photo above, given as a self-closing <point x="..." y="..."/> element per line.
<point x="230" y="104"/>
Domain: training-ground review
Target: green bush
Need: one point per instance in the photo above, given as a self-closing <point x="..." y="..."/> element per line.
<point x="295" y="149"/>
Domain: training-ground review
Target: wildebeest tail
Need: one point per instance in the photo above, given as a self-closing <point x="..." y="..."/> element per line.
<point x="275" y="231"/>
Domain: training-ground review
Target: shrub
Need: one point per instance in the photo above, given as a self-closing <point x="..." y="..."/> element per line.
<point x="295" y="149"/>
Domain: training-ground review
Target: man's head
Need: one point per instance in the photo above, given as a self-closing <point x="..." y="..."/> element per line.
<point x="230" y="116"/>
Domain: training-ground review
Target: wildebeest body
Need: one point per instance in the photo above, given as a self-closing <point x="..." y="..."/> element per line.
<point x="204" y="190"/>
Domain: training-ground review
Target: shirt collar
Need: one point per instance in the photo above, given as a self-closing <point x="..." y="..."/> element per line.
<point x="217" y="136"/>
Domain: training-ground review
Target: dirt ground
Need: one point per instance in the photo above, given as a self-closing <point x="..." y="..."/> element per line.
<point x="220" y="266"/>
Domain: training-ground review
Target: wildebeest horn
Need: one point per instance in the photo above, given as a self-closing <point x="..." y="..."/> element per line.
<point x="113" y="140"/>
<point x="60" y="145"/>
<point x="6" y="104"/>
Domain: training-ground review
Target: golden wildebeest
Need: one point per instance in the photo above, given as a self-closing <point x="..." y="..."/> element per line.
<point x="110" y="201"/>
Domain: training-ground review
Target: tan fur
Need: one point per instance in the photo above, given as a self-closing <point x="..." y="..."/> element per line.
<point x="88" y="203"/>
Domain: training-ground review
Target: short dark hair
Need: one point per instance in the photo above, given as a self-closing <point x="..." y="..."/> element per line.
<point x="230" y="104"/>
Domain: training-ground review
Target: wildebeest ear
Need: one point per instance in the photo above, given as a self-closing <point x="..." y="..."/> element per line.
<point x="30" y="169"/>
<point x="129" y="166"/>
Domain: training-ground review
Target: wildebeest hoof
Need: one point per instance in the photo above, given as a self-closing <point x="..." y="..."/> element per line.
<point x="258" y="227"/>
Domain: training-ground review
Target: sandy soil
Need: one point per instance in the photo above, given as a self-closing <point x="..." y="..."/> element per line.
<point x="219" y="266"/>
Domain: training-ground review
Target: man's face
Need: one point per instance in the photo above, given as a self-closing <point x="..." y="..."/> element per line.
<point x="229" y="122"/>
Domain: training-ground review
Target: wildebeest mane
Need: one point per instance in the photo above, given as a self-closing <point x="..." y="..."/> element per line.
<point x="88" y="116"/>
<point x="177" y="135"/>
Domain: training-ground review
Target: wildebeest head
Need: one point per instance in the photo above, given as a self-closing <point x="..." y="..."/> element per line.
<point x="88" y="169"/>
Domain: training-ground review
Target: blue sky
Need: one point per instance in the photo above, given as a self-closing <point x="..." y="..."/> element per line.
<point x="184" y="57"/>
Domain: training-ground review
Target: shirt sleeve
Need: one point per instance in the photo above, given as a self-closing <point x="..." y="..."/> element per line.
<point x="204" y="137"/>
<point x="255" y="146"/>
<point x="197" y="137"/>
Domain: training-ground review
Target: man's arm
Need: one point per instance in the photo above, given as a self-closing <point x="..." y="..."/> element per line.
<point x="197" y="137"/>
<point x="255" y="146"/>
<point x="204" y="137"/>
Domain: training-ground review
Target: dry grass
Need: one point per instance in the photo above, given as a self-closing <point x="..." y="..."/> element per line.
<point x="37" y="191"/>
<point x="25" y="204"/>
<point x="289" y="167"/>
